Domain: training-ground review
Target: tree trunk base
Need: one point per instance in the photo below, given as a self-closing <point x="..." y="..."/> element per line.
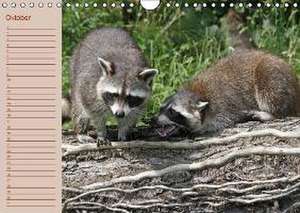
<point x="253" y="167"/>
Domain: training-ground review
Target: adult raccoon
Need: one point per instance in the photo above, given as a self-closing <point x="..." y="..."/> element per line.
<point x="109" y="75"/>
<point x="247" y="85"/>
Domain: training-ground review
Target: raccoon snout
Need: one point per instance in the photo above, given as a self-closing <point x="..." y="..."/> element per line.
<point x="120" y="114"/>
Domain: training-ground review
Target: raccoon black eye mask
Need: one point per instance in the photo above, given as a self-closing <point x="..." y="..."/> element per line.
<point x="133" y="101"/>
<point x="109" y="97"/>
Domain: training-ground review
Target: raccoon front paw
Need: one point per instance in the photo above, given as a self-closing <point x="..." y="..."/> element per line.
<point x="102" y="141"/>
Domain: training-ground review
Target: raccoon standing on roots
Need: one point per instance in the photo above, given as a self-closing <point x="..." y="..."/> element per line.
<point x="109" y="75"/>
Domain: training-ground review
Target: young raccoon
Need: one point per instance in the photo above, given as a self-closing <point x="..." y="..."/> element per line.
<point x="248" y="85"/>
<point x="109" y="75"/>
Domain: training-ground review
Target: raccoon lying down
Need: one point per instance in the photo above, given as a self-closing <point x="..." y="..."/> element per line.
<point x="248" y="85"/>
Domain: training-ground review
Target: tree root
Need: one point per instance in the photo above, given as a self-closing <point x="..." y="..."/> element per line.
<point x="187" y="144"/>
<point x="94" y="206"/>
<point x="214" y="189"/>
<point x="237" y="193"/>
<point x="209" y="163"/>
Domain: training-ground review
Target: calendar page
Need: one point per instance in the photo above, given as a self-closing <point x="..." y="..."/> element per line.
<point x="30" y="107"/>
<point x="149" y="106"/>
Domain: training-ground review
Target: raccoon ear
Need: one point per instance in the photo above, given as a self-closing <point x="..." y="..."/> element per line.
<point x="202" y="105"/>
<point x="147" y="75"/>
<point x="107" y="68"/>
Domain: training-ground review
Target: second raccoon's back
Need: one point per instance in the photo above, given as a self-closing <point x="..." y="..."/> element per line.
<point x="246" y="80"/>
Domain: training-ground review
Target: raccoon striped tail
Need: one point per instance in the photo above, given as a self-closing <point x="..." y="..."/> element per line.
<point x="66" y="108"/>
<point x="233" y="23"/>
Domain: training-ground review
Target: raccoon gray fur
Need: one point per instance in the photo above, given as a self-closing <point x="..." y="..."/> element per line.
<point x="247" y="85"/>
<point x="65" y="108"/>
<point x="109" y="75"/>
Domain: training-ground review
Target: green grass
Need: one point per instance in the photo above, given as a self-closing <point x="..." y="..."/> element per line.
<point x="182" y="42"/>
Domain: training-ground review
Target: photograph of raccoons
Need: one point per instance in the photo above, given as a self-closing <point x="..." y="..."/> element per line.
<point x="247" y="85"/>
<point x="109" y="76"/>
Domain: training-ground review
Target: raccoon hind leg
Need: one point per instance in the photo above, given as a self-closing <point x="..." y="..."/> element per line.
<point x="272" y="92"/>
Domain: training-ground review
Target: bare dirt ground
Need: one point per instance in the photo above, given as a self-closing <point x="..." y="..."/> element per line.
<point x="253" y="167"/>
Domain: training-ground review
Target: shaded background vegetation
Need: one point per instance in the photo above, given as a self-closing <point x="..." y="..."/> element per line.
<point x="180" y="42"/>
